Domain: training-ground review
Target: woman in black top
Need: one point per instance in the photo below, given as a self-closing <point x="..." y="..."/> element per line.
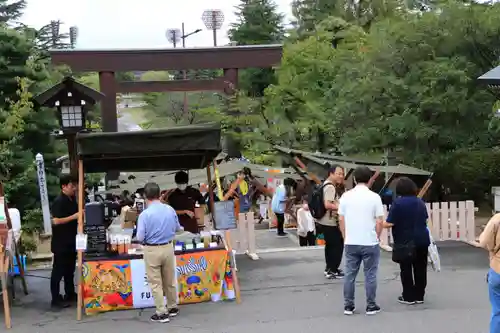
<point x="408" y="219"/>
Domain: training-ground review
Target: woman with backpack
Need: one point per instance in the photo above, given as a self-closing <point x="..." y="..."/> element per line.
<point x="323" y="206"/>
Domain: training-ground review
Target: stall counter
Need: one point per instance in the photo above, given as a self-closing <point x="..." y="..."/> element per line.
<point x="119" y="282"/>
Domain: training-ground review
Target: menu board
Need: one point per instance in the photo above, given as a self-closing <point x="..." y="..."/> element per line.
<point x="224" y="215"/>
<point x="96" y="238"/>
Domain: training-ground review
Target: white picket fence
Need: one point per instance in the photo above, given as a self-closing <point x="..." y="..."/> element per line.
<point x="447" y="221"/>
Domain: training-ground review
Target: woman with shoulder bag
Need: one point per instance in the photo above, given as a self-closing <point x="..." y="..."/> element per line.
<point x="408" y="219"/>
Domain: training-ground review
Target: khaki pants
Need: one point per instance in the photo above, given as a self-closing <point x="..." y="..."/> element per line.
<point x="160" y="272"/>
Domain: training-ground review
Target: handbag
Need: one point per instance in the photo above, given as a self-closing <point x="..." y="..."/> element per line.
<point x="434" y="254"/>
<point x="403" y="252"/>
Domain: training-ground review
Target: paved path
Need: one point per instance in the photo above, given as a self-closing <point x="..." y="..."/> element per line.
<point x="286" y="292"/>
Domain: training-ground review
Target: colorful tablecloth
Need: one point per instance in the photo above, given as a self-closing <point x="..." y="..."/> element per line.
<point x="120" y="285"/>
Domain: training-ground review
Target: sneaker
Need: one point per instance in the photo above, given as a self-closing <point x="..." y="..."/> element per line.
<point x="403" y="301"/>
<point x="339" y="274"/>
<point x="282" y="234"/>
<point x="173" y="312"/>
<point x="349" y="310"/>
<point x="163" y="318"/>
<point x="420" y="301"/>
<point x="372" y="309"/>
<point x="59" y="303"/>
<point x="329" y="275"/>
<point x="71" y="298"/>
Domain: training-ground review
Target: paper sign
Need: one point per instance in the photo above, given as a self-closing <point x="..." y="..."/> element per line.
<point x="224" y="215"/>
<point x="81" y="242"/>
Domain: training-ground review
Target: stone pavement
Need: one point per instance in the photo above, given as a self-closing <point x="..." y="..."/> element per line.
<point x="286" y="292"/>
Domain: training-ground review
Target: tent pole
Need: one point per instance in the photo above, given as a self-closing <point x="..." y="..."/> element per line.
<point x="373" y="178"/>
<point x="425" y="188"/>
<point x="81" y="199"/>
<point x="303" y="167"/>
<point x="210" y="193"/>
<point x="227" y="241"/>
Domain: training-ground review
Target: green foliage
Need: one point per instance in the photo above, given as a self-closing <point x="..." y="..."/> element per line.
<point x="33" y="221"/>
<point x="393" y="78"/>
<point x="470" y="174"/>
<point x="258" y="23"/>
<point x="10" y="11"/>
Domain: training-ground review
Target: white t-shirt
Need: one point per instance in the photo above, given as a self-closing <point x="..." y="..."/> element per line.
<point x="360" y="208"/>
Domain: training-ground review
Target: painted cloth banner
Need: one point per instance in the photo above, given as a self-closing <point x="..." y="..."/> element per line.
<point x="120" y="285"/>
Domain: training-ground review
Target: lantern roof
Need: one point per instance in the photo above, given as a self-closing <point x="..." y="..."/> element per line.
<point x="68" y="88"/>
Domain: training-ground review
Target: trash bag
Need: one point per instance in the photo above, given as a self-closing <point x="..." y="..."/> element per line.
<point x="434" y="258"/>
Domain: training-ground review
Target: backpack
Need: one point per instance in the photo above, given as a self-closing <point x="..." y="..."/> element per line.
<point x="316" y="201"/>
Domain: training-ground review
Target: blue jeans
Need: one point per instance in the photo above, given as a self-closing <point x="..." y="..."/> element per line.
<point x="354" y="255"/>
<point x="494" y="290"/>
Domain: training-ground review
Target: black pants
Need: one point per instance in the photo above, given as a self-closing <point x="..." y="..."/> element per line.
<point x="308" y="240"/>
<point x="334" y="247"/>
<point x="63" y="268"/>
<point x="280" y="218"/>
<point x="414" y="275"/>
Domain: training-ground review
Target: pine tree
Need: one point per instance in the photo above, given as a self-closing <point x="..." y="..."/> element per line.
<point x="10" y="11"/>
<point x="258" y="22"/>
<point x="309" y="13"/>
<point x="24" y="131"/>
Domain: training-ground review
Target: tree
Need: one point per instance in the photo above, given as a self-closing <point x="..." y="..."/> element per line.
<point x="258" y="22"/>
<point x="24" y="130"/>
<point x="167" y="108"/>
<point x="10" y="11"/>
<point x="407" y="84"/>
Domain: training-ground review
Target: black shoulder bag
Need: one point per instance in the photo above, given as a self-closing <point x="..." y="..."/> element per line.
<point x="404" y="252"/>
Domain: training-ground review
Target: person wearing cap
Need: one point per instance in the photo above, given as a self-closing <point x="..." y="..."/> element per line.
<point x="184" y="199"/>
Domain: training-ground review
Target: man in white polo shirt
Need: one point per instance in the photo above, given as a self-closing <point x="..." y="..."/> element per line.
<point x="361" y="216"/>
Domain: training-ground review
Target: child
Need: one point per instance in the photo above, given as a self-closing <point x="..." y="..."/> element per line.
<point x="305" y="226"/>
<point x="263" y="207"/>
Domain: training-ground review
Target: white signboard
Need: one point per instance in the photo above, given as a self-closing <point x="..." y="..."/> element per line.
<point x="3" y="218"/>
<point x="44" y="198"/>
<point x="141" y="292"/>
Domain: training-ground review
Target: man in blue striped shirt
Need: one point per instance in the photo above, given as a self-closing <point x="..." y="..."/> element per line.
<point x="156" y="229"/>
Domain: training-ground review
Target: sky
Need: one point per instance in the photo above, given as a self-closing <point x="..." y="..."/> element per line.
<point x="104" y="24"/>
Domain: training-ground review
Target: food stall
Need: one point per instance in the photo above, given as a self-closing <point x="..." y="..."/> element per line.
<point x="111" y="271"/>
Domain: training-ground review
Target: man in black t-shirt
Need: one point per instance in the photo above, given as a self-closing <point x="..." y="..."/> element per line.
<point x="64" y="229"/>
<point x="183" y="199"/>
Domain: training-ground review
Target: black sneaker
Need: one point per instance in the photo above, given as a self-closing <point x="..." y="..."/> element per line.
<point x="339" y="274"/>
<point x="163" y="318"/>
<point x="59" y="303"/>
<point x="372" y="309"/>
<point x="404" y="301"/>
<point x="71" y="298"/>
<point x="281" y="234"/>
<point x="173" y="312"/>
<point x="421" y="301"/>
<point x="349" y="310"/>
<point x="329" y="274"/>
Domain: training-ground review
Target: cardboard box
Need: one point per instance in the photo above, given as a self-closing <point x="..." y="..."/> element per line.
<point x="129" y="219"/>
<point x="199" y="214"/>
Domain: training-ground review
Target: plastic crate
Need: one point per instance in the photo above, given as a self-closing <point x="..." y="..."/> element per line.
<point x="16" y="271"/>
